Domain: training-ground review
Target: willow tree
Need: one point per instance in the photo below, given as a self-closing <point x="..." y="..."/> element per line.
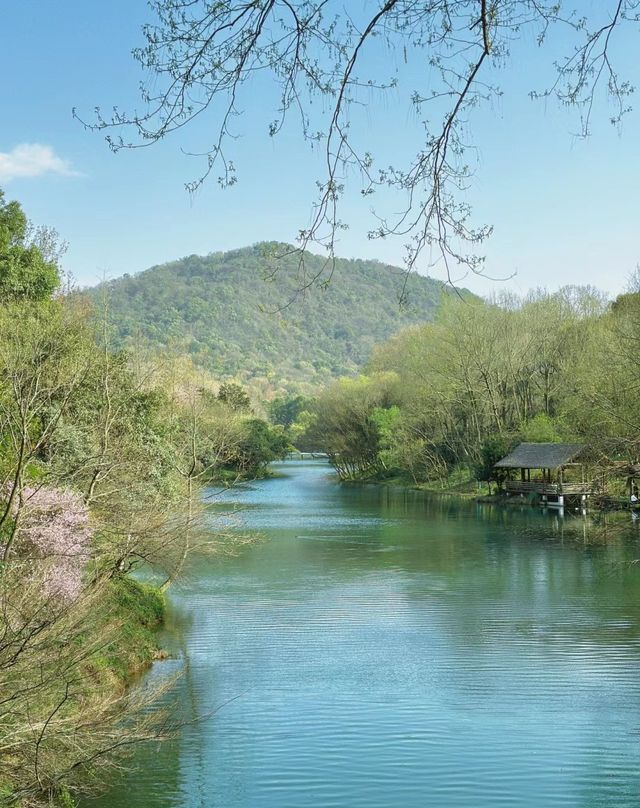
<point x="211" y="60"/>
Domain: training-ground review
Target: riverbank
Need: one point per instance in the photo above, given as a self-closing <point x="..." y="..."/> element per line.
<point x="475" y="490"/>
<point x="463" y="488"/>
<point x="227" y="478"/>
<point x="120" y="642"/>
<point x="139" y="609"/>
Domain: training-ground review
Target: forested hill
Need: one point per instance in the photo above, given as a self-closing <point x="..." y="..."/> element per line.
<point x="221" y="311"/>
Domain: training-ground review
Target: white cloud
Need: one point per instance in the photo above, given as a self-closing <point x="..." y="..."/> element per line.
<point x="33" y="160"/>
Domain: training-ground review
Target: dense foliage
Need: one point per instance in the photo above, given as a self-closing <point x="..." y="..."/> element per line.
<point x="26" y="271"/>
<point x="219" y="310"/>
<point x="446" y="400"/>
<point x="103" y="456"/>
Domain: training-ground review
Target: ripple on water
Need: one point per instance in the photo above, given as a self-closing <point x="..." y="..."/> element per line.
<point x="384" y="651"/>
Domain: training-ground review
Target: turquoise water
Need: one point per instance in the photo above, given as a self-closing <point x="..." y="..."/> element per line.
<point x="383" y="648"/>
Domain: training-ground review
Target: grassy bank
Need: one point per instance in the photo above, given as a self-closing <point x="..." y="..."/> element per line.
<point x="460" y="484"/>
<point x="121" y="640"/>
<point x="138" y="609"/>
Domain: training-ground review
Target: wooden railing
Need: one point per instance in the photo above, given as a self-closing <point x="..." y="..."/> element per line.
<point x="540" y="487"/>
<point x="578" y="488"/>
<point x="531" y="487"/>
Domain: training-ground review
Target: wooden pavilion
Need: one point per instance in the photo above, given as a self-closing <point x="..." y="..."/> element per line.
<point x="557" y="471"/>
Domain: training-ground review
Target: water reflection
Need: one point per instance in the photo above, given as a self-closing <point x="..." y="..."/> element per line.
<point x="387" y="648"/>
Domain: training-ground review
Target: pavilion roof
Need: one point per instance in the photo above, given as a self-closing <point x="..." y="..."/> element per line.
<point x="540" y="456"/>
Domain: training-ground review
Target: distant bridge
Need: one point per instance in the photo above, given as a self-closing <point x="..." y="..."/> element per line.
<point x="307" y="456"/>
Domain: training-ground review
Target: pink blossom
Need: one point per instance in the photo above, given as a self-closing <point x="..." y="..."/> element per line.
<point x="55" y="533"/>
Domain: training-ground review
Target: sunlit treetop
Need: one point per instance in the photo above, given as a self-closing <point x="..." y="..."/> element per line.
<point x="28" y="256"/>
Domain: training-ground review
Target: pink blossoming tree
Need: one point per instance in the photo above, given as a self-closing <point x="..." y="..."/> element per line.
<point x="54" y="532"/>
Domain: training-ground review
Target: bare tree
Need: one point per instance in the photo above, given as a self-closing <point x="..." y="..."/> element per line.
<point x="58" y="719"/>
<point x="204" y="59"/>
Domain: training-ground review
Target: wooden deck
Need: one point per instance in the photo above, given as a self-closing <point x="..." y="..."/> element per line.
<point x="547" y="489"/>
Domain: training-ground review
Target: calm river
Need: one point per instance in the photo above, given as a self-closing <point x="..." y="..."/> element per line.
<point x="385" y="649"/>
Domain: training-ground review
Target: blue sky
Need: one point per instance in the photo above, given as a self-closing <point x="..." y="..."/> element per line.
<point x="564" y="210"/>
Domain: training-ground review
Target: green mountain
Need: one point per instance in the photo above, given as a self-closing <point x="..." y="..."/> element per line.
<point x="237" y="318"/>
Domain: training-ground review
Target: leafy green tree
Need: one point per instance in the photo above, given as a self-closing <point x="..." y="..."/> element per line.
<point x="347" y="423"/>
<point x="25" y="272"/>
<point x="44" y="358"/>
<point x="259" y="444"/>
<point x="542" y="429"/>
<point x="235" y="397"/>
<point x="493" y="449"/>
<point x="486" y="374"/>
<point x="286" y="410"/>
